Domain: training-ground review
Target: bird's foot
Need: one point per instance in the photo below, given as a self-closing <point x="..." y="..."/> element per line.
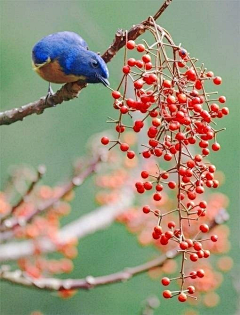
<point x="49" y="93"/>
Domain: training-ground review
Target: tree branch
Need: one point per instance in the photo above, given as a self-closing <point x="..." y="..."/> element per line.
<point x="21" y="278"/>
<point x="71" y="90"/>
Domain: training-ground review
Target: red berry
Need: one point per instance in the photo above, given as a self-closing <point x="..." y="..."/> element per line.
<point x="216" y="146"/>
<point x="167" y="84"/>
<point x="203" y="204"/>
<point x="139" y="124"/>
<point x="131" y="62"/>
<point x="147" y="185"/>
<point x="130" y="102"/>
<point x="130" y="44"/>
<point x="153" y="143"/>
<point x="225" y="110"/>
<point x="197" y="246"/>
<point x="158" y="230"/>
<point x="144" y="174"/>
<point x="199" y="189"/>
<point x="171" y="99"/>
<point x="140" y="47"/>
<point x="183" y="245"/>
<point x="215" y="183"/>
<point x="198" y="158"/>
<point x="164" y="240"/>
<point x="169" y="234"/>
<point x="130" y="154"/>
<point x="180" y="136"/>
<point x="167" y="157"/>
<point x="191" y="195"/>
<point x="138" y="84"/>
<point x="171" y="185"/>
<point x="214" y="238"/>
<point x="165" y="175"/>
<point x="105" y="140"/>
<point x="206" y="253"/>
<point x="126" y="69"/>
<point x="182" y="98"/>
<point x="222" y="99"/>
<point x="217" y="80"/>
<point x="182" y="297"/>
<point x="210" y="74"/>
<point x="204" y="228"/>
<point x="190" y="242"/>
<point x="157" y="197"/>
<point x="194" y="257"/>
<point x="159" y="187"/>
<point x="193" y="274"/>
<point x="124" y="110"/>
<point x="198" y="85"/>
<point x="171" y="224"/>
<point x="146" y="209"/>
<point x="139" y="63"/>
<point x="124" y="147"/>
<point x="165" y="281"/>
<point x="146" y="58"/>
<point x="148" y="66"/>
<point x="120" y="128"/>
<point x="158" y="152"/>
<point x="167" y="294"/>
<point x="156" y="122"/>
<point x="146" y="154"/>
<point x="155" y="236"/>
<point x="200" y="273"/>
<point x="191" y="75"/>
<point x="191" y="289"/>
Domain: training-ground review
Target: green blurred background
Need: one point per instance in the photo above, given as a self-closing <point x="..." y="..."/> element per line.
<point x="210" y="31"/>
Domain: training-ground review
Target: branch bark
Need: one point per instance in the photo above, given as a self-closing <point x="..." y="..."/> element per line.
<point x="18" y="277"/>
<point x="71" y="90"/>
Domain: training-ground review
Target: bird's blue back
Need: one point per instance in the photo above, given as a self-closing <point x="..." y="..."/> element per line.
<point x="54" y="44"/>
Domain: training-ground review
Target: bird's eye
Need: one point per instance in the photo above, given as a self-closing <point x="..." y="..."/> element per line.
<point x="94" y="63"/>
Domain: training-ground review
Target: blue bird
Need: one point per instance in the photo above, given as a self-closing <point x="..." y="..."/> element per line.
<point x="64" y="57"/>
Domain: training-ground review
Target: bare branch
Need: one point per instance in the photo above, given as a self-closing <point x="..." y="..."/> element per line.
<point x="71" y="90"/>
<point x="18" y="277"/>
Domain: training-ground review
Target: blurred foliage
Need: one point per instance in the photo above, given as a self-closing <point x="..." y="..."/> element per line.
<point x="209" y="30"/>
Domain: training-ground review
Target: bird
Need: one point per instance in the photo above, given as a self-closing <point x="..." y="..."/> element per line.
<point x="64" y="57"/>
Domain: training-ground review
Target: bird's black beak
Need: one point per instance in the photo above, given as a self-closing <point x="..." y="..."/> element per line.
<point x="104" y="81"/>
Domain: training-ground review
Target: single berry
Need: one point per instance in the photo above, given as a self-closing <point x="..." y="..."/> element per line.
<point x="105" y="140"/>
<point x="165" y="281"/>
<point x="167" y="294"/>
<point x="182" y="297"/>
<point x="130" y="44"/>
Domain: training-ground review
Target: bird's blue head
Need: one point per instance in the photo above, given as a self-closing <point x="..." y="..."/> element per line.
<point x="96" y="69"/>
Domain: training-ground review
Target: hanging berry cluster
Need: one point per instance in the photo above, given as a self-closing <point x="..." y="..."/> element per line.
<point x="170" y="96"/>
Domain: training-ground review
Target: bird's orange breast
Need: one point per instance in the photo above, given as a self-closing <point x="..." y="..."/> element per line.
<point x="52" y="72"/>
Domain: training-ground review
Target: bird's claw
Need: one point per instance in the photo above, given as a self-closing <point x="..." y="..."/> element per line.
<point x="49" y="93"/>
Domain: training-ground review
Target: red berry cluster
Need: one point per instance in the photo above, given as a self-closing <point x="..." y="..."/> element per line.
<point x="170" y="94"/>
